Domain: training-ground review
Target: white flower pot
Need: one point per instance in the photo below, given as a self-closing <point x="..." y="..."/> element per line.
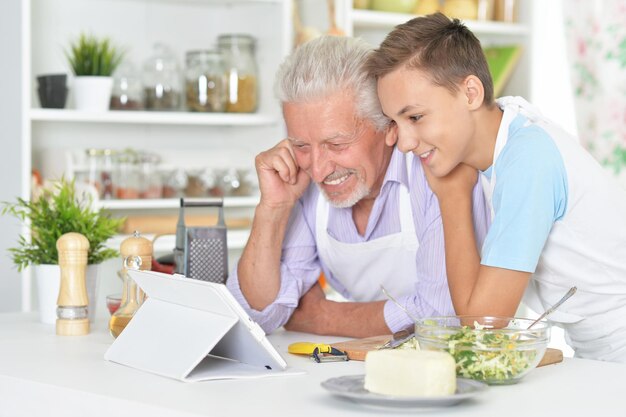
<point x="48" y="279"/>
<point x="92" y="93"/>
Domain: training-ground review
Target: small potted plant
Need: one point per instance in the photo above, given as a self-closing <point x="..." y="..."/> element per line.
<point x="93" y="61"/>
<point x="57" y="211"/>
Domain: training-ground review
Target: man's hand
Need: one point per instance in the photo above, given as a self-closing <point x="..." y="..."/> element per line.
<point x="281" y="180"/>
<point x="459" y="182"/>
<point x="306" y="317"/>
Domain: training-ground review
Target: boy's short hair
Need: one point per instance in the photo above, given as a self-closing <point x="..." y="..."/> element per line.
<point x="446" y="49"/>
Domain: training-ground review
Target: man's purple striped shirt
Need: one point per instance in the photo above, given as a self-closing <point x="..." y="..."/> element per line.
<point x="300" y="266"/>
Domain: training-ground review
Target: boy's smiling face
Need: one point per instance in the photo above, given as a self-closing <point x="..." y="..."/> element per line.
<point x="432" y="123"/>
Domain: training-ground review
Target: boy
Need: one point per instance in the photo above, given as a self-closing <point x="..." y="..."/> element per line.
<point x="558" y="220"/>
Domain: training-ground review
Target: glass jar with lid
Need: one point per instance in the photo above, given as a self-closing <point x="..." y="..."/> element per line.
<point x="162" y="80"/>
<point x="127" y="180"/>
<point x="174" y="183"/>
<point x="242" y="72"/>
<point x="127" y="93"/>
<point x="205" y="81"/>
<point x="150" y="185"/>
<point x="99" y="169"/>
<point x="106" y="174"/>
<point x="93" y="158"/>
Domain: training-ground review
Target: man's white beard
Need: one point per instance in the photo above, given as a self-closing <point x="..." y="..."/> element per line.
<point x="360" y="191"/>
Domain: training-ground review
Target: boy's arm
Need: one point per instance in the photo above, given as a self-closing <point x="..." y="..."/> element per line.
<point x="475" y="289"/>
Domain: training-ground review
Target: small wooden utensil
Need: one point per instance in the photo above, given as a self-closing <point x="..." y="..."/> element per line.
<point x="72" y="302"/>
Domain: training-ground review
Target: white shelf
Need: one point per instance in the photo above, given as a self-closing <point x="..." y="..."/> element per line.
<point x="218" y="1"/>
<point x="171" y="203"/>
<point x="368" y="19"/>
<point x="236" y="239"/>
<point x="149" y="117"/>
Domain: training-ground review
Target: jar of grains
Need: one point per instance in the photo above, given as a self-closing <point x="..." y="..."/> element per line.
<point x="205" y="81"/>
<point x="161" y="80"/>
<point x="242" y="72"/>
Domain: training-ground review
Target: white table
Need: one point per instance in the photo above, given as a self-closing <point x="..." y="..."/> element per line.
<point x="42" y="374"/>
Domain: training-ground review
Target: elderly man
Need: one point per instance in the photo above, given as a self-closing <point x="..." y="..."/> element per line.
<point x="337" y="197"/>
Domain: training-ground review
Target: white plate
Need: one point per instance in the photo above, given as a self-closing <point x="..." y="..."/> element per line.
<point x="351" y="387"/>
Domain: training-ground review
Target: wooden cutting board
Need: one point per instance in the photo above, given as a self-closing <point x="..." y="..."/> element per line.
<point x="358" y="348"/>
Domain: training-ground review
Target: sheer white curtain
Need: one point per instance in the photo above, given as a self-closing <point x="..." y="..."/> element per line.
<point x="596" y="43"/>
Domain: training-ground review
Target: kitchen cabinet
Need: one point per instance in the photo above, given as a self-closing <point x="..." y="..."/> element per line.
<point x="50" y="137"/>
<point x="183" y="139"/>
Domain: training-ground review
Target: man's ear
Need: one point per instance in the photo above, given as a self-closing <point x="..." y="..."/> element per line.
<point x="391" y="135"/>
<point x="474" y="91"/>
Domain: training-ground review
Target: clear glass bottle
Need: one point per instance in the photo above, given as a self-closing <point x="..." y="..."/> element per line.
<point x="127" y="181"/>
<point x="136" y="253"/>
<point x="150" y="185"/>
<point x="205" y="81"/>
<point x="242" y="72"/>
<point x="106" y="174"/>
<point x="174" y="183"/>
<point x="230" y="182"/>
<point x="127" y="93"/>
<point x="196" y="185"/>
<point x="94" y="162"/>
<point x="162" y="80"/>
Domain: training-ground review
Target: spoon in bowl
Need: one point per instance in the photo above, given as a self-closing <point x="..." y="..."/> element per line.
<point x="556" y="305"/>
<point x="397" y="303"/>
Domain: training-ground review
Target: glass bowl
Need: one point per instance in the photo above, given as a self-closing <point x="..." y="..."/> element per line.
<point x="113" y="302"/>
<point x="495" y="350"/>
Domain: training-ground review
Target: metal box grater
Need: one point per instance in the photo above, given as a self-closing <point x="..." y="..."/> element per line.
<point x="201" y="252"/>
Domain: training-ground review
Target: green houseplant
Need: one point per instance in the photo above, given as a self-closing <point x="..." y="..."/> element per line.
<point x="90" y="56"/>
<point x="56" y="212"/>
<point x="93" y="61"/>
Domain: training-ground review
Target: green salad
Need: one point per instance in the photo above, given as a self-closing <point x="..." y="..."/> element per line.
<point x="488" y="356"/>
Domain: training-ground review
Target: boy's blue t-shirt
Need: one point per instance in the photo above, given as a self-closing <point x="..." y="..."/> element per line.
<point x="530" y="194"/>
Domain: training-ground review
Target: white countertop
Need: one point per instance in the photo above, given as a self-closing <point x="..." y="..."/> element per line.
<point x="42" y="374"/>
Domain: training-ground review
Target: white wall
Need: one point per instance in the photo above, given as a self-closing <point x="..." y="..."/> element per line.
<point x="550" y="91"/>
<point x="10" y="146"/>
<point x="550" y="84"/>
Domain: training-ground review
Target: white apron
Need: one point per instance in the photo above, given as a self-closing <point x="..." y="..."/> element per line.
<point x="594" y="319"/>
<point x="362" y="267"/>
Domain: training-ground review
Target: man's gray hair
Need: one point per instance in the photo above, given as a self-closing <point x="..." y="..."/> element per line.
<point x="325" y="66"/>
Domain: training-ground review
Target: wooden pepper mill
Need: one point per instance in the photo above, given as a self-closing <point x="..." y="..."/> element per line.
<point x="136" y="254"/>
<point x="72" y="318"/>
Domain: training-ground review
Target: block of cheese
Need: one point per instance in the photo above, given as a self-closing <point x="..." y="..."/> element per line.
<point x="410" y="373"/>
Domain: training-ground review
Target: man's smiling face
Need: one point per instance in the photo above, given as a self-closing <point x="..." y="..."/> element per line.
<point x="343" y="154"/>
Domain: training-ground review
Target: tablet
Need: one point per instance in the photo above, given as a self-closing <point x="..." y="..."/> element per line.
<point x="193" y="330"/>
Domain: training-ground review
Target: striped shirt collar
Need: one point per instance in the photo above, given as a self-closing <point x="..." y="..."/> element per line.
<point x="397" y="169"/>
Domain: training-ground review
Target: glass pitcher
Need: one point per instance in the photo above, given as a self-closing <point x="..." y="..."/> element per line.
<point x="137" y="254"/>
